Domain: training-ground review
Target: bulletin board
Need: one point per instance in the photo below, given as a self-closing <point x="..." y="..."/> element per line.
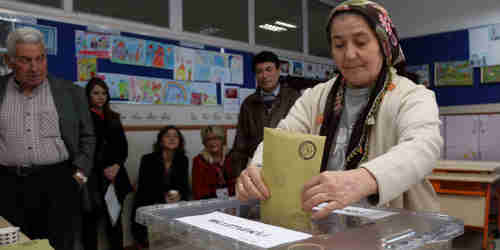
<point x="64" y="63"/>
<point x="444" y="47"/>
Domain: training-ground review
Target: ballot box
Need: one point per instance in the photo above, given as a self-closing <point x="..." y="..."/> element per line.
<point x="198" y="225"/>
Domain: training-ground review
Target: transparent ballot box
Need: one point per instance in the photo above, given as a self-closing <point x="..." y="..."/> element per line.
<point x="351" y="228"/>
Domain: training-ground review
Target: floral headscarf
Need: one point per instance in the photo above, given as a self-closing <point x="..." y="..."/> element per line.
<point x="378" y="17"/>
<point x="357" y="149"/>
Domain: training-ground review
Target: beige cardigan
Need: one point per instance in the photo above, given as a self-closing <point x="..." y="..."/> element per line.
<point x="405" y="142"/>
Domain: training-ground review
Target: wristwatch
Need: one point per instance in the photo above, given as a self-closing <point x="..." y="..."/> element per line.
<point x="81" y="176"/>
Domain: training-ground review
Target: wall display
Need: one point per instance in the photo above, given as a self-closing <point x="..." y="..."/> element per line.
<point x="87" y="67"/>
<point x="298" y="69"/>
<point x="457" y="73"/>
<point x="423" y="73"/>
<point x="236" y="66"/>
<point x="128" y="50"/>
<point x="93" y="44"/>
<point x="490" y="74"/>
<point x="231" y="99"/>
<point x="159" y="55"/>
<point x="204" y="93"/>
<point x="179" y="93"/>
<point x="5" y="27"/>
<point x="484" y="44"/>
<point x="49" y="35"/>
<point x="285" y="66"/>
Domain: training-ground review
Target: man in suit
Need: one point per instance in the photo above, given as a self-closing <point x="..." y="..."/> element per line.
<point x="47" y="144"/>
<point x="265" y="108"/>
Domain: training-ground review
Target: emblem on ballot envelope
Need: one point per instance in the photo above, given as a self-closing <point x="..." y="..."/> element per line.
<point x="307" y="150"/>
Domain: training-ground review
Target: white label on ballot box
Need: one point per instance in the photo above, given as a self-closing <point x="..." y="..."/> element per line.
<point x="359" y="212"/>
<point x="250" y="232"/>
<point x="222" y="193"/>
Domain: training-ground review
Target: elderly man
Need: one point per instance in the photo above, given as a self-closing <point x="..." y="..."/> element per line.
<point x="265" y="108"/>
<point x="46" y="144"/>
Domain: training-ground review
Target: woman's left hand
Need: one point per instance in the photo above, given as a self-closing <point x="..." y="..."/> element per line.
<point x="337" y="188"/>
<point x="111" y="172"/>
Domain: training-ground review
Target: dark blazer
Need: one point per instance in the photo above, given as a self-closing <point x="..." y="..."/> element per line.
<point x="75" y="123"/>
<point x="151" y="187"/>
<point x="252" y="119"/>
<point x="111" y="148"/>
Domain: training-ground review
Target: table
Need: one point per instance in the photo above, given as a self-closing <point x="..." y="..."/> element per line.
<point x="4" y="223"/>
<point x="465" y="190"/>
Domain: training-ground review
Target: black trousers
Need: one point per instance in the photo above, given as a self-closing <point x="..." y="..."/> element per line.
<point x="45" y="204"/>
<point x="90" y="230"/>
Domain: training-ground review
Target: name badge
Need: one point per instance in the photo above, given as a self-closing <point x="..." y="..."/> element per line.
<point x="222" y="193"/>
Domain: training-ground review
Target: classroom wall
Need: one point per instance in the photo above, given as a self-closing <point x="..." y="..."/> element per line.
<point x="417" y="18"/>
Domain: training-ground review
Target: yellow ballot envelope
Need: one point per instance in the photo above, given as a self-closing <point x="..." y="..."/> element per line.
<point x="290" y="160"/>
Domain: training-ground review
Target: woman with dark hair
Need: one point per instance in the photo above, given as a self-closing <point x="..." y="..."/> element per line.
<point x="382" y="129"/>
<point x="110" y="156"/>
<point x="163" y="177"/>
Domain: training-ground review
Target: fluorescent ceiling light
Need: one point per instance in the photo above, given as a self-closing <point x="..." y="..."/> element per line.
<point x="288" y="25"/>
<point x="271" y="27"/>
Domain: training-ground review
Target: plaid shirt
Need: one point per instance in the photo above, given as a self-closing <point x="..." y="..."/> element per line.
<point x="29" y="128"/>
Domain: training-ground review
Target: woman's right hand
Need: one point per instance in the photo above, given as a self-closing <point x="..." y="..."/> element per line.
<point x="250" y="185"/>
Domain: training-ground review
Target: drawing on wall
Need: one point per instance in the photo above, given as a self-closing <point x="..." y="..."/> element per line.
<point x="206" y="92"/>
<point x="457" y="73"/>
<point x="49" y="35"/>
<point x="298" y="69"/>
<point x="128" y="51"/>
<point x="93" y="44"/>
<point x="184" y="58"/>
<point x="490" y="74"/>
<point x="146" y="90"/>
<point x="219" y="74"/>
<point x="177" y="93"/>
<point x="6" y="27"/>
<point x="236" y="66"/>
<point x="118" y="85"/>
<point x="87" y="67"/>
<point x="484" y="44"/>
<point x="203" y="62"/>
<point x="285" y="67"/>
<point x="423" y="73"/>
<point x="160" y="55"/>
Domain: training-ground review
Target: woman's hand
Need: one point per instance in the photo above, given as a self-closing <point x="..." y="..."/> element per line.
<point x="172" y="196"/>
<point x="111" y="172"/>
<point x="250" y="185"/>
<point x="337" y="188"/>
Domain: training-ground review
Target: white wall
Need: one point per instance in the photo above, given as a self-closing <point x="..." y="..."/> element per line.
<point x="416" y="18"/>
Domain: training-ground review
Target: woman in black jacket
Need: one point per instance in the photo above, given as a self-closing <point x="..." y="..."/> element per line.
<point x="163" y="177"/>
<point x="110" y="156"/>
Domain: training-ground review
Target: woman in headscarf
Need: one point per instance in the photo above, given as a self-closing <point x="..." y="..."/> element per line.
<point x="382" y="130"/>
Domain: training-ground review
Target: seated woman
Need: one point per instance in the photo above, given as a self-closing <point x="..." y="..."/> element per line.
<point x="163" y="176"/>
<point x="212" y="177"/>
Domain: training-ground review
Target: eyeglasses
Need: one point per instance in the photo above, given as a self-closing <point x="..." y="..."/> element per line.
<point x="29" y="60"/>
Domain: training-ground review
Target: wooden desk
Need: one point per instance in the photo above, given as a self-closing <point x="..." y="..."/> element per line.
<point x="4" y="223"/>
<point x="465" y="189"/>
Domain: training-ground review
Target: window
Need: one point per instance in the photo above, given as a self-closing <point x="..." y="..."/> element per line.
<point x="48" y="3"/>
<point x="278" y="24"/>
<point x="318" y="15"/>
<point x="225" y="19"/>
<point x="154" y="12"/>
